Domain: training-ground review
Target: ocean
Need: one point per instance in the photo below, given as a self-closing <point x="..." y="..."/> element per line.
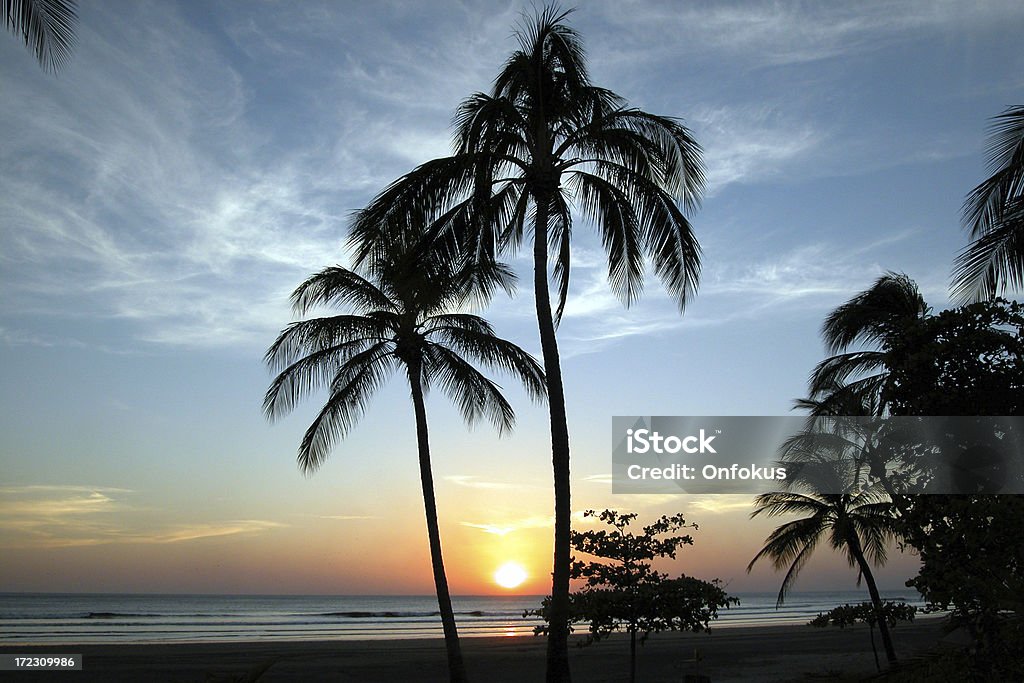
<point x="73" y="618"/>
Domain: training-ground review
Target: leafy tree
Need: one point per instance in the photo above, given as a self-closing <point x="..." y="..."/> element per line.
<point x="858" y="522"/>
<point x="543" y="140"/>
<point x="623" y="592"/>
<point x="46" y="26"/>
<point x="847" y="615"/>
<point x="972" y="564"/>
<point x="994" y="214"/>
<point x="968" y="361"/>
<point x="964" y="361"/>
<point x="401" y="320"/>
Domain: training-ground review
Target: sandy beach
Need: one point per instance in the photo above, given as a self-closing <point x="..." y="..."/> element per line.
<point x="777" y="653"/>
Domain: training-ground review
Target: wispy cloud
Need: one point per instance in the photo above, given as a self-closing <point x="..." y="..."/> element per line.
<point x="208" y="530"/>
<point x="751" y="143"/>
<point x="61" y="516"/>
<point x="810" y="270"/>
<point x="475" y="483"/>
<point x="772" y="34"/>
<point x="507" y="527"/>
<point x="164" y="205"/>
<point x="49" y="488"/>
<point x="720" y="503"/>
<point x="50" y="502"/>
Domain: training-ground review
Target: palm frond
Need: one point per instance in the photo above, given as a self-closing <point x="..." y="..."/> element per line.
<point x="559" y="241"/>
<point x="786" y="502"/>
<point x="351" y="389"/>
<point x="875" y="314"/>
<point x="474" y="394"/>
<point x="681" y="169"/>
<point x="484" y="122"/>
<point x="994" y="261"/>
<point x="665" y="232"/>
<point x="550" y="63"/>
<point x="985" y="204"/>
<point x="418" y="198"/>
<point x="875" y="534"/>
<point x="791" y="546"/>
<point x="307" y="374"/>
<point x="459" y="321"/>
<point x="316" y="334"/>
<point x="836" y="371"/>
<point x="609" y="206"/>
<point x="494" y="353"/>
<point x="816" y="445"/>
<point x="339" y="286"/>
<point x="47" y="28"/>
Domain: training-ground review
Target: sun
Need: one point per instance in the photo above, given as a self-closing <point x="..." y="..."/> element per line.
<point x="510" y="575"/>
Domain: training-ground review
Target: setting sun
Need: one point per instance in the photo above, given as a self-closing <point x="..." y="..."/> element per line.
<point x="510" y="575"/>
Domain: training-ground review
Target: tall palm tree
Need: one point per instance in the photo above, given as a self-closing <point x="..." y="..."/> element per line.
<point x="545" y="139"/>
<point x="874" y="317"/>
<point x="46" y="26"/>
<point x="994" y="214"/>
<point x="401" y="319"/>
<point x="857" y="522"/>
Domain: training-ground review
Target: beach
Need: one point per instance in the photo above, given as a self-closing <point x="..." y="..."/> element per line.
<point x="770" y="653"/>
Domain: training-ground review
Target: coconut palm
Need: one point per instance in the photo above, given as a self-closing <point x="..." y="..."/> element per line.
<point x="874" y="317"/>
<point x="994" y="214"/>
<point x="46" y="26"/>
<point x="543" y="140"/>
<point x="402" y="318"/>
<point x="857" y="521"/>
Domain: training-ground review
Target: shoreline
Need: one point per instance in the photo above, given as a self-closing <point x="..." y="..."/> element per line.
<point x="739" y="653"/>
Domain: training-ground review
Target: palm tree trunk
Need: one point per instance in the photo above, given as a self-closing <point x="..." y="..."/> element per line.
<point x="876" y="599"/>
<point x="456" y="668"/>
<point x="558" y="634"/>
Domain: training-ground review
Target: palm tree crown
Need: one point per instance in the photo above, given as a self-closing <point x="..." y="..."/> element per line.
<point x="835" y="504"/>
<point x="849" y="380"/>
<point x="859" y="521"/>
<point x="544" y="140"/>
<point x="403" y="318"/>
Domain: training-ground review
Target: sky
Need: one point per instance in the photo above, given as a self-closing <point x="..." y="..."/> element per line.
<point x="162" y="196"/>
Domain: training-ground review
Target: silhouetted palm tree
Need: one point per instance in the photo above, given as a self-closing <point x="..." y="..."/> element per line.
<point x="401" y="319"/>
<point x="858" y="522"/>
<point x="543" y="140"/>
<point x="46" y="26"/>
<point x="994" y="214"/>
<point x="874" y="317"/>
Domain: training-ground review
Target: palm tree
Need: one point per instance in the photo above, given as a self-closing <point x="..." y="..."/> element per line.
<point x="401" y="319"/>
<point x="545" y="139"/>
<point x="858" y="522"/>
<point x="994" y="214"/>
<point x="874" y="317"/>
<point x="46" y="26"/>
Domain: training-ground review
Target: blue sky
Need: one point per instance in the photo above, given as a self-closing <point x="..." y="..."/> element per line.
<point x="161" y="197"/>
